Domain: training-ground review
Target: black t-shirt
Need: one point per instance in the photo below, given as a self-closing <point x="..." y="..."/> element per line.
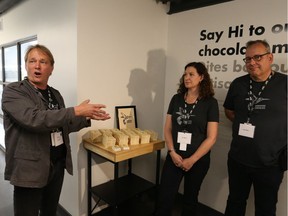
<point x="206" y="110"/>
<point x="269" y="119"/>
<point x="59" y="152"/>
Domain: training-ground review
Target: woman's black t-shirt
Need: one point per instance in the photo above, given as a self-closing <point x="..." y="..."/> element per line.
<point x="185" y="118"/>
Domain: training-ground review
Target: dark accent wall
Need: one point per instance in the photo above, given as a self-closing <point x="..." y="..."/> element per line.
<point x="184" y="5"/>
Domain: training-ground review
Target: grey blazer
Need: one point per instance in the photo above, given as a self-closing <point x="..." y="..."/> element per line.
<point x="27" y="124"/>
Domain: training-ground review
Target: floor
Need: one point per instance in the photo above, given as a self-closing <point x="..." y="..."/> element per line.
<point x="6" y="197"/>
<point x="144" y="206"/>
<point x="6" y="191"/>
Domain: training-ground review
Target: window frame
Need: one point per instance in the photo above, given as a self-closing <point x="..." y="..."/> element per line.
<point x="20" y="57"/>
<point x="18" y="44"/>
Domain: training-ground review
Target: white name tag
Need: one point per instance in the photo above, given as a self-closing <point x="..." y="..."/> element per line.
<point x="184" y="139"/>
<point x="246" y="130"/>
<point x="57" y="138"/>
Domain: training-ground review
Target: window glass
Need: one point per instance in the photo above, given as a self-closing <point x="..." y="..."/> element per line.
<point x="23" y="48"/>
<point x="10" y="64"/>
<point x="12" y="72"/>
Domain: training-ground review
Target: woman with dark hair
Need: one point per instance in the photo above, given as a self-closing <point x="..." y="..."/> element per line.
<point x="190" y="131"/>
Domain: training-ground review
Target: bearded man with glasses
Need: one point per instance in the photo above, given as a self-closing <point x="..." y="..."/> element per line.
<point x="256" y="103"/>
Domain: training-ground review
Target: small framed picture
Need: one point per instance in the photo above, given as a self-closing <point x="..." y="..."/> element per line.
<point x="126" y="117"/>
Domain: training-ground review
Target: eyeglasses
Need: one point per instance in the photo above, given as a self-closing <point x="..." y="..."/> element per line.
<point x="256" y="58"/>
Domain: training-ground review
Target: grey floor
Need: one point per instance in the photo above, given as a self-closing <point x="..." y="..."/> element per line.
<point x="6" y="191"/>
<point x="6" y="197"/>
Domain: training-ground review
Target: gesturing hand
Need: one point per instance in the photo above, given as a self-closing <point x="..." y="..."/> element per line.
<point x="93" y="111"/>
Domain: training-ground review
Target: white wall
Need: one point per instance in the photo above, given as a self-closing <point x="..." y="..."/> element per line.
<point x="184" y="43"/>
<point x="121" y="61"/>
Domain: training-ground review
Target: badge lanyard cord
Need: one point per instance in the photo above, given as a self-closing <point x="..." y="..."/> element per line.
<point x="51" y="106"/>
<point x="190" y="113"/>
<point x="252" y="103"/>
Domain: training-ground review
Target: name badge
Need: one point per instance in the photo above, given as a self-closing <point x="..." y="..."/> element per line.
<point x="57" y="138"/>
<point x="246" y="130"/>
<point x="184" y="139"/>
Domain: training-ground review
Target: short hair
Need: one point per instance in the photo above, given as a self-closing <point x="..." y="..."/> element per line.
<point x="263" y="42"/>
<point x="43" y="49"/>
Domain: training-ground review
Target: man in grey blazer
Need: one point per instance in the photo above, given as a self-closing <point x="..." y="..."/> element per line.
<point x="37" y="127"/>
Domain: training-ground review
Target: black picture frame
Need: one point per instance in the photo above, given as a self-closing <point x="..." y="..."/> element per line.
<point x="126" y="117"/>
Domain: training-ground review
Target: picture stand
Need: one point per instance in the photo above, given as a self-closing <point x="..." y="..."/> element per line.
<point x="126" y="117"/>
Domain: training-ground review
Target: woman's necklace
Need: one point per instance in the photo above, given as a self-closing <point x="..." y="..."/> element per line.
<point x="190" y="99"/>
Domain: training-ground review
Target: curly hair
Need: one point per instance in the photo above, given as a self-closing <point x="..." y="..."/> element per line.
<point x="206" y="88"/>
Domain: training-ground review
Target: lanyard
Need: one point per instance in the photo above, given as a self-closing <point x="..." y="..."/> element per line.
<point x="253" y="100"/>
<point x="186" y="116"/>
<point x="51" y="105"/>
<point x="46" y="94"/>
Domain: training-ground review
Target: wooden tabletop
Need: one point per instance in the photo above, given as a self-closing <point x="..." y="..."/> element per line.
<point x="117" y="156"/>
